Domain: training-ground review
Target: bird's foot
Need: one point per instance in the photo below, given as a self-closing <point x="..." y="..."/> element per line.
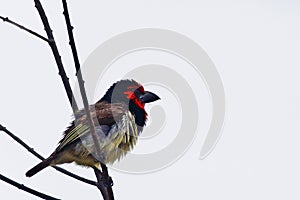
<point x="107" y="183"/>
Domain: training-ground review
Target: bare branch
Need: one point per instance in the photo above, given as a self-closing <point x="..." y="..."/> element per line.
<point x="6" y="19"/>
<point x="103" y="178"/>
<point x="26" y="189"/>
<point x="56" y="54"/>
<point x="106" y="182"/>
<point x="102" y="186"/>
<point x="31" y="150"/>
<point x="106" y="190"/>
<point x="48" y="30"/>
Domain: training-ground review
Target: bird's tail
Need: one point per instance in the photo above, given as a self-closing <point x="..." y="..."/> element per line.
<point x="42" y="165"/>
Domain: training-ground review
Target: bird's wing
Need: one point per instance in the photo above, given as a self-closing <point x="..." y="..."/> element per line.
<point x="104" y="115"/>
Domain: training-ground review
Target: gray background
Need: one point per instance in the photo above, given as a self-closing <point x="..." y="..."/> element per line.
<point x="255" y="47"/>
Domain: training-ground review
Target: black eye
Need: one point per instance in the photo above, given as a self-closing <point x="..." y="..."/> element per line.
<point x="138" y="93"/>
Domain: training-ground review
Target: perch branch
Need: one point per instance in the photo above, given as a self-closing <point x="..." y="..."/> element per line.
<point x="105" y="189"/>
<point x="26" y="189"/>
<point x="31" y="150"/>
<point x="101" y="185"/>
<point x="56" y="54"/>
<point x="6" y="19"/>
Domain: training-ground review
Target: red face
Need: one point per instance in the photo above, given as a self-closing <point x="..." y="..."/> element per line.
<point x="132" y="93"/>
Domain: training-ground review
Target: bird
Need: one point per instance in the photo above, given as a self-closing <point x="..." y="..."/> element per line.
<point x="119" y="118"/>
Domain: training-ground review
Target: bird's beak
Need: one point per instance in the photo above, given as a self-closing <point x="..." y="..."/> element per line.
<point x="148" y="97"/>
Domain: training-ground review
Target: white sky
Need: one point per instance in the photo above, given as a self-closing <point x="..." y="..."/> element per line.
<point x="255" y="46"/>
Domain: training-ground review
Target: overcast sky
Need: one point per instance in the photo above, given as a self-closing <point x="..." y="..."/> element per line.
<point x="255" y="47"/>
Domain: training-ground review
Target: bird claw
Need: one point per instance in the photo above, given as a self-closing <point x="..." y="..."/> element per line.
<point x="107" y="183"/>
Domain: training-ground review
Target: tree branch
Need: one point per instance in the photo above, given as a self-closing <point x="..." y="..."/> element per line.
<point x="102" y="186"/>
<point x="31" y="150"/>
<point x="103" y="178"/>
<point x="26" y="189"/>
<point x="56" y="54"/>
<point x="105" y="189"/>
<point x="5" y="19"/>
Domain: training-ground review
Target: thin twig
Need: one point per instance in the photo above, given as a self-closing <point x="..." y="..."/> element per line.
<point x="108" y="194"/>
<point x="26" y="189"/>
<point x="56" y="54"/>
<point x="6" y="19"/>
<point x="32" y="151"/>
<point x="69" y="91"/>
<point x="72" y="101"/>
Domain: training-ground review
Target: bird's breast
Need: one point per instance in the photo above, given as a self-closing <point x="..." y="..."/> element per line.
<point x="115" y="141"/>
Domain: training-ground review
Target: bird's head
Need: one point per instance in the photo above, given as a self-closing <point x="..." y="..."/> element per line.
<point x="133" y="94"/>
